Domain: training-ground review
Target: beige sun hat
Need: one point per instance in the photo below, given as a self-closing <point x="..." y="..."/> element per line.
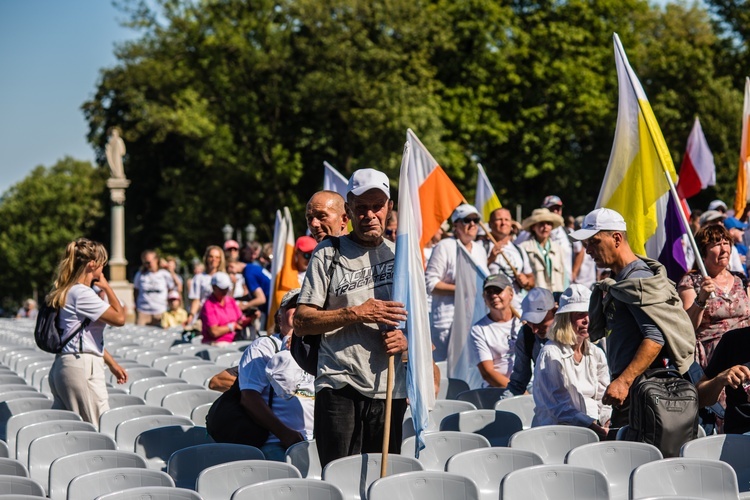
<point x="542" y="215"/>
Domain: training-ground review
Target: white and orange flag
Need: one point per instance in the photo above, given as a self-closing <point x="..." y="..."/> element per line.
<point x="284" y="276"/>
<point x="741" y="197"/>
<point x="438" y="196"/>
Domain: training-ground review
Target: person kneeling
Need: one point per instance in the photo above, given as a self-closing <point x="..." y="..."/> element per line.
<point x="571" y="375"/>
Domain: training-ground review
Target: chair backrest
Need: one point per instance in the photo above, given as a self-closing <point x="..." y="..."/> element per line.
<point x="701" y="477"/>
<point x="559" y="481"/>
<point x="455" y="387"/>
<point x="200" y="375"/>
<point x="101" y="482"/>
<point x="29" y="433"/>
<point x="423" y="485"/>
<point x="16" y="422"/>
<point x="152" y="493"/>
<point x="110" y="419"/>
<point x="552" y="442"/>
<point x="138" y="373"/>
<point x="30" y="393"/>
<point x="18" y="406"/>
<point x="442" y="409"/>
<point x="11" y="379"/>
<point x="523" y="406"/>
<point x="126" y="432"/>
<point x="157" y="445"/>
<point x="199" y="414"/>
<point x="12" y="467"/>
<point x="64" y="469"/>
<point x="184" y="465"/>
<point x="304" y="456"/>
<point x="4" y="450"/>
<point x="228" y="359"/>
<point x="730" y="448"/>
<point x="220" y="481"/>
<point x="149" y="356"/>
<point x="183" y="402"/>
<point x="484" y="398"/>
<point x="175" y="368"/>
<point x="294" y="488"/>
<point x="496" y="426"/>
<point x="356" y="473"/>
<point x="20" y="485"/>
<point x="616" y="460"/>
<point x="442" y="445"/>
<point x="45" y="450"/>
<point x="120" y="400"/>
<point x="155" y="395"/>
<point x="487" y="466"/>
<point x="115" y="390"/>
<point x="139" y="387"/>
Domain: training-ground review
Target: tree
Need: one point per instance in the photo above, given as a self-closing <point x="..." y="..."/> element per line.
<point x="40" y="215"/>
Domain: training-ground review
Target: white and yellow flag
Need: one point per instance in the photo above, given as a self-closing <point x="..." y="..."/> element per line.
<point x="485" y="199"/>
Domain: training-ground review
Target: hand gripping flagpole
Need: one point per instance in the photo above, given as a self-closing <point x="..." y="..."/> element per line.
<point x="663" y="155"/>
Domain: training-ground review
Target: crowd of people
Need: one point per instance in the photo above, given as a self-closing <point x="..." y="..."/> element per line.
<point x="574" y="317"/>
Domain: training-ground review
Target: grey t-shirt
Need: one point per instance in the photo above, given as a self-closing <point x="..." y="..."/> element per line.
<point x="353" y="355"/>
<point x="628" y="325"/>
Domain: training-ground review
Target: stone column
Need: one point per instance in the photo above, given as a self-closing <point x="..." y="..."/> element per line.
<point x="117" y="263"/>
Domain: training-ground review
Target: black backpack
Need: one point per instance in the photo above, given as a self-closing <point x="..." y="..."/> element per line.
<point x="663" y="410"/>
<point x="305" y="349"/>
<point x="47" y="332"/>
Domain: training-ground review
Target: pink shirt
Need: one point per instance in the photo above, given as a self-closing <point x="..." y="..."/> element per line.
<point x="214" y="314"/>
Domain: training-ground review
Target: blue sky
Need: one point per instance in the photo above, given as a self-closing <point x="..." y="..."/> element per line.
<point x="51" y="52"/>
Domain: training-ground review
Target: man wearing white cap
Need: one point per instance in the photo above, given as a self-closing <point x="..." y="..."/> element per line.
<point x="346" y="297"/>
<point x="440" y="274"/>
<point x="638" y="311"/>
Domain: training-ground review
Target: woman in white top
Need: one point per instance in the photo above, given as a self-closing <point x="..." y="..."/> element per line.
<point x="77" y="375"/>
<point x="493" y="337"/>
<point x="200" y="285"/>
<point x="571" y="375"/>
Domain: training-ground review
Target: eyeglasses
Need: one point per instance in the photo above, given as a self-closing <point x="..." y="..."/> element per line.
<point x="469" y="220"/>
<point x="307" y="255"/>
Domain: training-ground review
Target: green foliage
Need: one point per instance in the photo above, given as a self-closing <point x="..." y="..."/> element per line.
<point x="39" y="216"/>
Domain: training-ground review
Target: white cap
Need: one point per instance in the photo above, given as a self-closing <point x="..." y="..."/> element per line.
<point x="601" y="219"/>
<point x="536" y="304"/>
<point x="716" y="205"/>
<point x="365" y="179"/>
<point x="710" y="216"/>
<point x="575" y="299"/>
<point x="221" y="280"/>
<point x="464" y="210"/>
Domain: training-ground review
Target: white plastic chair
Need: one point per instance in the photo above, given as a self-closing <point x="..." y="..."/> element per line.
<point x="64" y="469"/>
<point x="110" y="419"/>
<point x="440" y="446"/>
<point x="155" y="395"/>
<point x="523" y="406"/>
<point x="139" y="387"/>
<point x="186" y="464"/>
<point x="497" y="426"/>
<point x="96" y="484"/>
<point x="152" y="493"/>
<point x="27" y="434"/>
<point x="304" y="456"/>
<point x="16" y="422"/>
<point x="552" y="442"/>
<point x="220" y="481"/>
<point x="354" y="474"/>
<point x="182" y="403"/>
<point x="295" y="488"/>
<point x="733" y="449"/>
<point x="558" y="481"/>
<point x="157" y="445"/>
<point x="423" y="485"/>
<point x="701" y="477"/>
<point x="126" y="432"/>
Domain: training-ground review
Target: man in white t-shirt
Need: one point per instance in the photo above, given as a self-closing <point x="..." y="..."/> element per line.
<point x="151" y="286"/>
<point x="507" y="258"/>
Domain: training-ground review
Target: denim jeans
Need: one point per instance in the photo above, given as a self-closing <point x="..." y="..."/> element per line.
<point x="349" y="423"/>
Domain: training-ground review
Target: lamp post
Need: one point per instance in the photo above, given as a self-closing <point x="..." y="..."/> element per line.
<point x="250" y="232"/>
<point x="227" y="230"/>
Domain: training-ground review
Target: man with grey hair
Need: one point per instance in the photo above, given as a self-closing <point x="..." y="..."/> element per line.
<point x="326" y="215"/>
<point x="346" y="298"/>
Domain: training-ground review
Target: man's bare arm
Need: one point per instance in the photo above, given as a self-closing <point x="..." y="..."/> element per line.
<point x="312" y="320"/>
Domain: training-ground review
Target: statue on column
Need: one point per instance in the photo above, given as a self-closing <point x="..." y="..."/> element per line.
<point x="115" y="150"/>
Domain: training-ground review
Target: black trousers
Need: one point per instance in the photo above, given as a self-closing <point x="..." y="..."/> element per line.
<point x="349" y="423"/>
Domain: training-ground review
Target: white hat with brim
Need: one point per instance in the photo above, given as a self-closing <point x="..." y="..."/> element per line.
<point x="221" y="280"/>
<point x="601" y="219"/>
<point x="710" y="216"/>
<point x="575" y="299"/>
<point x="542" y="215"/>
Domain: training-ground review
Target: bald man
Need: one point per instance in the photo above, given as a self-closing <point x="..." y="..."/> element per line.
<point x="326" y="215"/>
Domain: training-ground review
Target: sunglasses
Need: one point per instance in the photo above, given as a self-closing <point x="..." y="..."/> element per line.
<point x="307" y="255"/>
<point x="389" y="232"/>
<point x="469" y="220"/>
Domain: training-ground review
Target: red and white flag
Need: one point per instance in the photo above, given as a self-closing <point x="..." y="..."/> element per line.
<point x="698" y="170"/>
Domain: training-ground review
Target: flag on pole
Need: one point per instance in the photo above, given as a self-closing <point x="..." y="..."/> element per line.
<point x="409" y="288"/>
<point x="635" y="183"/>
<point x="333" y="180"/>
<point x="284" y="276"/>
<point x="697" y="170"/>
<point x="485" y="199"/>
<point x="438" y="196"/>
<point x="740" y="198"/>
<point x="470" y="308"/>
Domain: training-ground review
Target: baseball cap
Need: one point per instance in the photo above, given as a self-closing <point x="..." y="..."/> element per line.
<point x="536" y="304"/>
<point x="305" y="244"/>
<point x="464" y="210"/>
<point x="365" y="179"/>
<point x="710" y="216"/>
<point x="500" y="281"/>
<point x="601" y="219"/>
<point x="289" y="297"/>
<point x="734" y="223"/>
<point x="174" y="294"/>
<point x="231" y="244"/>
<point x="574" y="299"/>
<point x="716" y="205"/>
<point x="552" y="201"/>
<point x="221" y="280"/>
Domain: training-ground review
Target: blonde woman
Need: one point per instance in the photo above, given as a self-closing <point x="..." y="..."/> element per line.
<point x="77" y="375"/>
<point x="200" y="286"/>
<point x="571" y="375"/>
